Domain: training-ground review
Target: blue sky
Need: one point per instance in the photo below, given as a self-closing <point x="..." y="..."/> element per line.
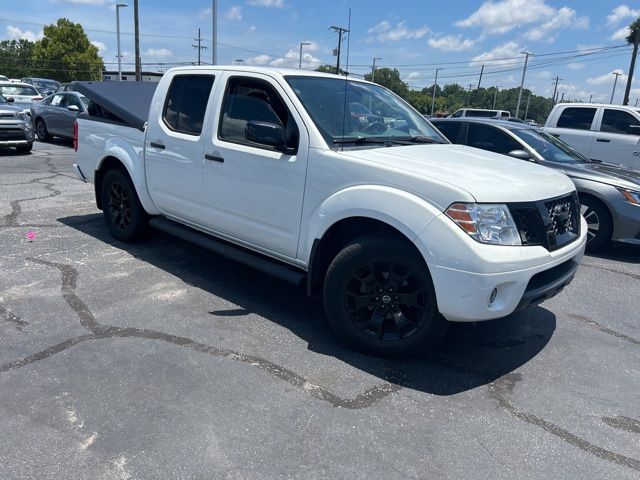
<point x="415" y="36"/>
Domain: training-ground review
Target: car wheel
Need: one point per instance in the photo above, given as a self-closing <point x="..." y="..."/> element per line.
<point x="599" y="226"/>
<point x="123" y="213"/>
<point x="25" y="148"/>
<point x="379" y="298"/>
<point x="41" y="131"/>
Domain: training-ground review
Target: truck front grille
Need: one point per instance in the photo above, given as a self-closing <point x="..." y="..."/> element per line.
<point x="12" y="134"/>
<point x="549" y="223"/>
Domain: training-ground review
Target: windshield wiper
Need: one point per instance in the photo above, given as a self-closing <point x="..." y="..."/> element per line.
<point x="418" y="139"/>
<point x="362" y="140"/>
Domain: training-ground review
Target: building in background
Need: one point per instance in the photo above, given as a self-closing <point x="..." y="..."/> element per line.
<point x="130" y="76"/>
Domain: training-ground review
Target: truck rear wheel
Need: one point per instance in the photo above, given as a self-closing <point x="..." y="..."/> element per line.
<point x="123" y="213"/>
<point x="379" y="298"/>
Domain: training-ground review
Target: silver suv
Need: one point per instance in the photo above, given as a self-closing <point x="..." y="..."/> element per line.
<point x="15" y="127"/>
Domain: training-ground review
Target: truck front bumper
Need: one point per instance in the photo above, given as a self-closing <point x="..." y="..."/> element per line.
<point x="13" y="134"/>
<point x="475" y="281"/>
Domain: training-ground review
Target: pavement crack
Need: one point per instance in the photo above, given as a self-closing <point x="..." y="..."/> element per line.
<point x="623" y="423"/>
<point x="11" y="317"/>
<point x="501" y="390"/>
<point x="635" y="276"/>
<point x="604" y="329"/>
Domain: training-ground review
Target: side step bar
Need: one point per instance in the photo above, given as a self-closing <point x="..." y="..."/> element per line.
<point x="253" y="260"/>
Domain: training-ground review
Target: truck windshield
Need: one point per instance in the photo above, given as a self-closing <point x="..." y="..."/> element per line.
<point x="348" y="111"/>
<point x="549" y="147"/>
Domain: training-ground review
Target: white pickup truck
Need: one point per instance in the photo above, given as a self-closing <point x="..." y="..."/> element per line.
<point x="337" y="184"/>
<point x="600" y="132"/>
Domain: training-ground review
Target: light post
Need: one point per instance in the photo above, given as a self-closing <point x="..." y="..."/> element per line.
<point x="373" y="68"/>
<point x="524" y="71"/>
<point x="495" y="96"/>
<point x="214" y="32"/>
<point x="617" y="74"/>
<point x="433" y="96"/>
<point x="118" y="6"/>
<point x="302" y="44"/>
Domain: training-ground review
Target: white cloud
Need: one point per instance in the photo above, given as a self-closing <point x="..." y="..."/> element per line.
<point x="451" y="43"/>
<point x="289" y="59"/>
<point x="563" y="18"/>
<point x="83" y="2"/>
<point x="267" y="3"/>
<point x="102" y="48"/>
<point x="620" y="13"/>
<point x="507" y="52"/>
<point x="234" y="13"/>
<point x="386" y="32"/>
<point x="158" y="53"/>
<point x="259" y="60"/>
<point x="14" y="33"/>
<point x="607" y="78"/>
<point x="503" y="16"/>
<point x="575" y="66"/>
<point x="620" y="34"/>
<point x="251" y="29"/>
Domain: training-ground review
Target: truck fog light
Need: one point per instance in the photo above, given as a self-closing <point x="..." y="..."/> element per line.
<point x="492" y="297"/>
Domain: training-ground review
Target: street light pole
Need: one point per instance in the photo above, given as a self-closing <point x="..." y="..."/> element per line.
<point x="373" y="68"/>
<point x="433" y="97"/>
<point x="118" y="6"/>
<point x="214" y="32"/>
<point x="617" y="74"/>
<point x="524" y="72"/>
<point x="495" y="96"/>
<point x="301" y="45"/>
<point x="136" y="41"/>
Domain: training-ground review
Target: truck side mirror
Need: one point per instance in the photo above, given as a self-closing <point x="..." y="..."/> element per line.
<point x="265" y="133"/>
<point x="520" y="154"/>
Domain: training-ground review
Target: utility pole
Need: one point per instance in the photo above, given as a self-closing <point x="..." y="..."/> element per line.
<point x="614" y="85"/>
<point x="435" y="85"/>
<point x="373" y="68"/>
<point x="495" y="96"/>
<point x="302" y="44"/>
<point x="136" y="35"/>
<point x="469" y="95"/>
<point x="562" y="97"/>
<point x="636" y="102"/>
<point x="590" y="97"/>
<point x="341" y="31"/>
<point x="526" y="110"/>
<point x="214" y="32"/>
<point x="627" y="90"/>
<point x="524" y="72"/>
<point x="118" y="7"/>
<point x="555" y="88"/>
<point x="199" y="46"/>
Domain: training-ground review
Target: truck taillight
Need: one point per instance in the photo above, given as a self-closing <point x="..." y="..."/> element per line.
<point x="75" y="136"/>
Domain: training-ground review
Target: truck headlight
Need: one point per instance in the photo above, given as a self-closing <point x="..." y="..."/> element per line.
<point x="486" y="223"/>
<point x="630" y="195"/>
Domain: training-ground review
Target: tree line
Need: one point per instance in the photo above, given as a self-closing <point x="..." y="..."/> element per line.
<point x="64" y="53"/>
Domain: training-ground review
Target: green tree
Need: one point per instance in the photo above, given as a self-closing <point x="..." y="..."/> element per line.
<point x="65" y="53"/>
<point x="15" y="58"/>
<point x="329" y="69"/>
<point x="390" y="78"/>
<point x="632" y="39"/>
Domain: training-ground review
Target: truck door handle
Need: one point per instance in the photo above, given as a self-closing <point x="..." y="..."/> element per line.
<point x="606" y="140"/>
<point x="157" y="145"/>
<point x="213" y="158"/>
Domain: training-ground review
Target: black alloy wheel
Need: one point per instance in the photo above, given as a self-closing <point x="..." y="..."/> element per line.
<point x="41" y="131"/>
<point x="119" y="206"/>
<point x="599" y="226"/>
<point x="123" y="213"/>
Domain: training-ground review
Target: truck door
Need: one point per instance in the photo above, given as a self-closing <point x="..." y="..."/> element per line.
<point x="575" y="128"/>
<point x="174" y="147"/>
<point x="253" y="192"/>
<point x="618" y="140"/>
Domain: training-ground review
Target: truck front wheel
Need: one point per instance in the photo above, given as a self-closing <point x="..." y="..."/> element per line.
<point x="123" y="213"/>
<point x="379" y="298"/>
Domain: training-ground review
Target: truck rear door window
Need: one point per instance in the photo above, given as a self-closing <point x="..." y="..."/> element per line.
<point x="617" y="121"/>
<point x="187" y="102"/>
<point x="577" y="117"/>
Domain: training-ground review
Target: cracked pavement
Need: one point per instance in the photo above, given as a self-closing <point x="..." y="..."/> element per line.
<point x="162" y="360"/>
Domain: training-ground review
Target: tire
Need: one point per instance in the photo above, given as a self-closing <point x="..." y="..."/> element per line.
<point x="599" y="223"/>
<point x="379" y="298"/>
<point x="123" y="213"/>
<point x="25" y="148"/>
<point x="41" y="131"/>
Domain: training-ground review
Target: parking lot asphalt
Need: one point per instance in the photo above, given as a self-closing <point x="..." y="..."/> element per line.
<point x="162" y="360"/>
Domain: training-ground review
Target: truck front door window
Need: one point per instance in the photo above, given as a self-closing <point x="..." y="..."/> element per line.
<point x="187" y="102"/>
<point x="578" y="118"/>
<point x="617" y="121"/>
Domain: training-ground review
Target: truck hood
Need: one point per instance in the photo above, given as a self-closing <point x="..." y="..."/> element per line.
<point x="605" y="173"/>
<point x="488" y="177"/>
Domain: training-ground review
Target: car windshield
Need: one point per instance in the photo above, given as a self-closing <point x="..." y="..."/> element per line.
<point x="18" y="90"/>
<point x="549" y="147"/>
<point x="373" y="114"/>
<point x="45" y="85"/>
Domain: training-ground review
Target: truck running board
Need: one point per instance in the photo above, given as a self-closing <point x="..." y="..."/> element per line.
<point x="239" y="254"/>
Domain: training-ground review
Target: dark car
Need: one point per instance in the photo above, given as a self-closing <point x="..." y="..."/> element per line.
<point x="609" y="194"/>
<point x="54" y="115"/>
<point x="44" y="86"/>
